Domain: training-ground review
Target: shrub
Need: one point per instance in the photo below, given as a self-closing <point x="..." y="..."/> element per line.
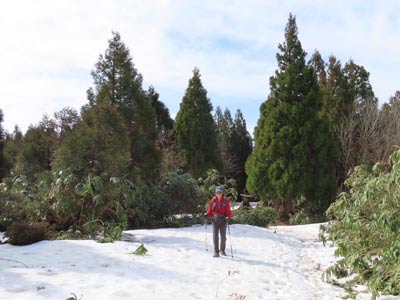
<point x="214" y="179"/>
<point x="180" y="194"/>
<point x="306" y="212"/>
<point x="20" y="233"/>
<point x="259" y="216"/>
<point x="16" y="205"/>
<point x="365" y="225"/>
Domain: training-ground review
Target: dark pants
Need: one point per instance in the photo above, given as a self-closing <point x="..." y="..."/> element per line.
<point x="219" y="226"/>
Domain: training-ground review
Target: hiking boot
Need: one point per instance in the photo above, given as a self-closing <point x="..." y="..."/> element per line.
<point x="223" y="252"/>
<point x="216" y="254"/>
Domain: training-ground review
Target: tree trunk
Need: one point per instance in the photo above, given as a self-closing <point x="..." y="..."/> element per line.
<point x="288" y="206"/>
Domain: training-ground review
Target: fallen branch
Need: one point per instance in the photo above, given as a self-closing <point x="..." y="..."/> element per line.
<point x="15" y="261"/>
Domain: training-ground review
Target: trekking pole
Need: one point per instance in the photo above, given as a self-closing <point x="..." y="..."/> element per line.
<point x="230" y="240"/>
<point x="205" y="227"/>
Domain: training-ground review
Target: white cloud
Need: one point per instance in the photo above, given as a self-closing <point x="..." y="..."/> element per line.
<point x="50" y="47"/>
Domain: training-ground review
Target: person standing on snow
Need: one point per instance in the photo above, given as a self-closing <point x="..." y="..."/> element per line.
<point x="219" y="211"/>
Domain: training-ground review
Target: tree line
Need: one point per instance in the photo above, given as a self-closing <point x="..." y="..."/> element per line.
<point x="123" y="161"/>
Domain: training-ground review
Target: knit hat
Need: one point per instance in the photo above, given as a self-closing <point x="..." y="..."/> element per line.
<point x="219" y="189"/>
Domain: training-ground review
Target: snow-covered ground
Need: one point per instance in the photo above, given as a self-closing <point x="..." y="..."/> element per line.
<point x="284" y="262"/>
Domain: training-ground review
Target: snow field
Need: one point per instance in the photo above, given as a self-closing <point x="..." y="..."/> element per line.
<point x="277" y="263"/>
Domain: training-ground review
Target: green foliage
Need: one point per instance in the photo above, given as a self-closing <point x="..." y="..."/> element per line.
<point x="214" y="179"/>
<point x="141" y="250"/>
<point x="180" y="194"/>
<point x="337" y="98"/>
<point x="195" y="130"/>
<point x="36" y="149"/>
<point x="224" y="126"/>
<point x="292" y="154"/>
<point x="163" y="118"/>
<point x="20" y="200"/>
<point x="99" y="144"/>
<point x="21" y="233"/>
<point x="306" y="212"/>
<point x="118" y="82"/>
<point x="11" y="149"/>
<point x="11" y="207"/>
<point x="66" y="120"/>
<point x="360" y="87"/>
<point x="234" y="144"/>
<point x="242" y="145"/>
<point x="258" y="216"/>
<point x="365" y="222"/>
<point x="64" y="202"/>
<point x="349" y="103"/>
<point x="111" y="232"/>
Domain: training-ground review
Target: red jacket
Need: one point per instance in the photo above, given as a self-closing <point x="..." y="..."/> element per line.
<point x="219" y="207"/>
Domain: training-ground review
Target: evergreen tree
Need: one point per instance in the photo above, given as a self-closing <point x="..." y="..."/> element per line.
<point x="224" y="125"/>
<point x="319" y="65"/>
<point x="12" y="147"/>
<point x="337" y="104"/>
<point x="163" y="118"/>
<point x="98" y="146"/>
<point x="117" y="80"/>
<point x="336" y="100"/>
<point x="360" y="88"/>
<point x="66" y="120"/>
<point x="195" y="129"/>
<point x="350" y="105"/>
<point x="242" y="146"/>
<point x="36" y="149"/>
<point x="292" y="156"/>
<point x="234" y="144"/>
<point x="115" y="76"/>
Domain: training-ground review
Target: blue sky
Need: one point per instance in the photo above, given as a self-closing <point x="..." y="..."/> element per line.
<point x="48" y="48"/>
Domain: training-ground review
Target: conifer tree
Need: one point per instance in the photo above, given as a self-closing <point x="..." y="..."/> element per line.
<point x="319" y="65"/>
<point x="224" y="125"/>
<point x="195" y="129"/>
<point x="337" y="104"/>
<point x="36" y="149"/>
<point x="66" y="120"/>
<point x="163" y="118"/>
<point x="12" y="148"/>
<point x="242" y="146"/>
<point x="292" y="157"/>
<point x="99" y="145"/>
<point x="117" y="80"/>
<point x="360" y="88"/>
<point x="234" y="144"/>
<point x="353" y="113"/>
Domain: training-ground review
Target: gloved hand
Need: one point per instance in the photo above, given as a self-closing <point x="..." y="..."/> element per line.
<point x="205" y="216"/>
<point x="227" y="220"/>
